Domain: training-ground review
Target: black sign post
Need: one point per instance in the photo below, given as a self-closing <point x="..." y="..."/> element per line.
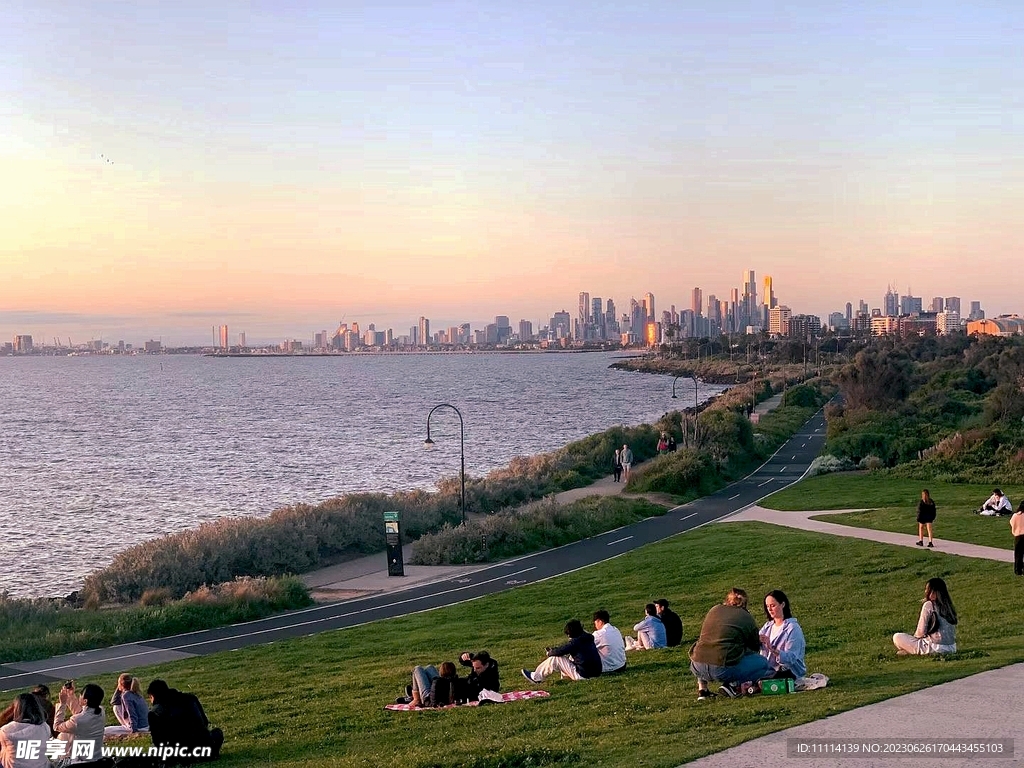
<point x="393" y="538"/>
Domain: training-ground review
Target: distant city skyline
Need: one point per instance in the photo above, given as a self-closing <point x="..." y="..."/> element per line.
<point x="261" y="331"/>
<point x="457" y="160"/>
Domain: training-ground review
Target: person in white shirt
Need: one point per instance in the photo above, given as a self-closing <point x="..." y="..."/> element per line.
<point x="997" y="504"/>
<point x="609" y="643"/>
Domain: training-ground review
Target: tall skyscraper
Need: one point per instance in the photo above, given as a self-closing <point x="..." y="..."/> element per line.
<point x="938" y="305"/>
<point x="584" y="315"/>
<point x="751" y="313"/>
<point x="225" y="342"/>
<point x="525" y="330"/>
<point x="849" y="315"/>
<point x="697" y="302"/>
<point x="241" y="339"/>
<point x="649" y="306"/>
<point x="891" y="303"/>
<point x="953" y="304"/>
<point x="423" y="335"/>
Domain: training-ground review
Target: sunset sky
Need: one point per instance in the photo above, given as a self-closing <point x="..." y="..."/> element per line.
<point x="165" y="167"/>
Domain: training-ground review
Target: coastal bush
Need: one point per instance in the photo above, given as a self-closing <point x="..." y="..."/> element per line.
<point x="823" y="465"/>
<point x="538" y="526"/>
<point x="34" y="629"/>
<point x="687" y="473"/>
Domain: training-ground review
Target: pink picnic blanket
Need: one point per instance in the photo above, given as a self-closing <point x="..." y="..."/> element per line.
<point x="510" y="696"/>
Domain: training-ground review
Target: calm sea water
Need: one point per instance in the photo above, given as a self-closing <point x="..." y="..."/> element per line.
<point x="99" y="453"/>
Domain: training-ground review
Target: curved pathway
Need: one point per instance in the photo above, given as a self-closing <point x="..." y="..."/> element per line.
<point x="785" y="467"/>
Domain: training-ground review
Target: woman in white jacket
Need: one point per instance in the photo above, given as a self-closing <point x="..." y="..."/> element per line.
<point x="82" y="728"/>
<point x="782" y="640"/>
<point x="29" y="726"/>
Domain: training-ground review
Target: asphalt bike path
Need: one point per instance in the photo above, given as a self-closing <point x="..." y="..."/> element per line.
<point x="785" y="467"/>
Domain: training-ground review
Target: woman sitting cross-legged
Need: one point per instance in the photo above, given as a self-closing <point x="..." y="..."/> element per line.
<point x="936" y="627"/>
<point x="129" y="708"/>
<point x="782" y="640"/>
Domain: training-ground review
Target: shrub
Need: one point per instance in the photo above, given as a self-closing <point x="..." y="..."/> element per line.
<point x="540" y="525"/>
<point x="871" y="462"/>
<point x="826" y="463"/>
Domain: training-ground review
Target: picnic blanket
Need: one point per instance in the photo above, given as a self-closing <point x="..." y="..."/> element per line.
<point x="497" y="698"/>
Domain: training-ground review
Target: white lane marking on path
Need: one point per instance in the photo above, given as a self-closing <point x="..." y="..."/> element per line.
<point x="794" y="458"/>
<point x="766" y="482"/>
<point x="783" y="469"/>
<point x="804" y="445"/>
<point x="181" y="648"/>
<point x="733" y="497"/>
<point x="618" y="541"/>
<point x="687" y="517"/>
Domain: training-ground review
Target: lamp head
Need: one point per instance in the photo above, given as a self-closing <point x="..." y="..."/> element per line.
<point x="428" y="443"/>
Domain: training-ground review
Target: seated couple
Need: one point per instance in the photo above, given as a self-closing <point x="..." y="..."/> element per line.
<point x="433" y="687"/>
<point x="660" y="628"/>
<point x="997" y="504"/>
<point x="732" y="650"/>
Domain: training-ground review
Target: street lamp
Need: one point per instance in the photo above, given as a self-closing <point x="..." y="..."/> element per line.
<point x="462" y="448"/>
<point x="694" y="380"/>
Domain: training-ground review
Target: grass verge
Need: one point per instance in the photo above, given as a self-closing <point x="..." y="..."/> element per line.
<point x="893" y="505"/>
<point x="37" y="629"/>
<point x="318" y="701"/>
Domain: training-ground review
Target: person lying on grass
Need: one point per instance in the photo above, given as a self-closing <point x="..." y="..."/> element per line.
<point x="484" y="676"/>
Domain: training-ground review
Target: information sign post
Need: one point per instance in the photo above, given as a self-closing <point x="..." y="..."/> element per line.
<point x="393" y="538"/>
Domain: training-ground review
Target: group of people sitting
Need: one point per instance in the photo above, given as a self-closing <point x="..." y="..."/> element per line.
<point x="72" y="732"/>
<point x="731" y="649"/>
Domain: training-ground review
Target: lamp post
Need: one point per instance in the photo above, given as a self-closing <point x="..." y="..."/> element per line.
<point x="694" y="380"/>
<point x="462" y="449"/>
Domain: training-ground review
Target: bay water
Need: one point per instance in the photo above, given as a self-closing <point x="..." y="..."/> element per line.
<point x="99" y="453"/>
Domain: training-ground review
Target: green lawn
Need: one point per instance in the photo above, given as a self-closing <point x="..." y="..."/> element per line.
<point x="318" y="701"/>
<point x="893" y="505"/>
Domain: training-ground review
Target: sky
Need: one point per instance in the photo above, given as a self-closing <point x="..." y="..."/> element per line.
<point x="280" y="167"/>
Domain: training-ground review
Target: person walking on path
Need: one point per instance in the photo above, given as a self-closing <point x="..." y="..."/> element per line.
<point x="925" y="518"/>
<point x="626" y="457"/>
<point x="1017" y="529"/>
<point x="618" y="465"/>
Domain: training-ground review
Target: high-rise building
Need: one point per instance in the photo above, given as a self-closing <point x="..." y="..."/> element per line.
<point x="751" y="311"/>
<point x="849" y="315"/>
<point x="804" y="326"/>
<point x="778" y="320"/>
<point x="525" y="330"/>
<point x="23" y="343"/>
<point x="560" y="326"/>
<point x="977" y="313"/>
<point x="649" y="306"/>
<point x="597" y="317"/>
<point x="953" y="304"/>
<point x="891" y="303"/>
<point x="863" y="308"/>
<point x="938" y="305"/>
<point x="225" y="343"/>
<point x="768" y="298"/>
<point x="584" y="314"/>
<point x="697" y="302"/>
<point x="423" y="336"/>
<point x="910" y="305"/>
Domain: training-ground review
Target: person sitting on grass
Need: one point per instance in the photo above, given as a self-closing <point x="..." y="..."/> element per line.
<point x="728" y="649"/>
<point x="673" y="624"/>
<point x="997" y="504"/>
<point x="82" y="727"/>
<point x="782" y="640"/>
<point x="609" y="643"/>
<point x="129" y="708"/>
<point x="41" y="692"/>
<point x="578" y="659"/>
<point x="484" y="676"/>
<point x="27" y="727"/>
<point x="936" y="627"/>
<point x="177" y="718"/>
<point x="650" y="633"/>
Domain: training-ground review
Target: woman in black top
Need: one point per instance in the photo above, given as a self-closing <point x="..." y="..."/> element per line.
<point x="925" y="518"/>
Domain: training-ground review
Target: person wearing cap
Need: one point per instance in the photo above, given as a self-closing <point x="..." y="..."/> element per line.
<point x="673" y="624"/>
<point x="997" y="504"/>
